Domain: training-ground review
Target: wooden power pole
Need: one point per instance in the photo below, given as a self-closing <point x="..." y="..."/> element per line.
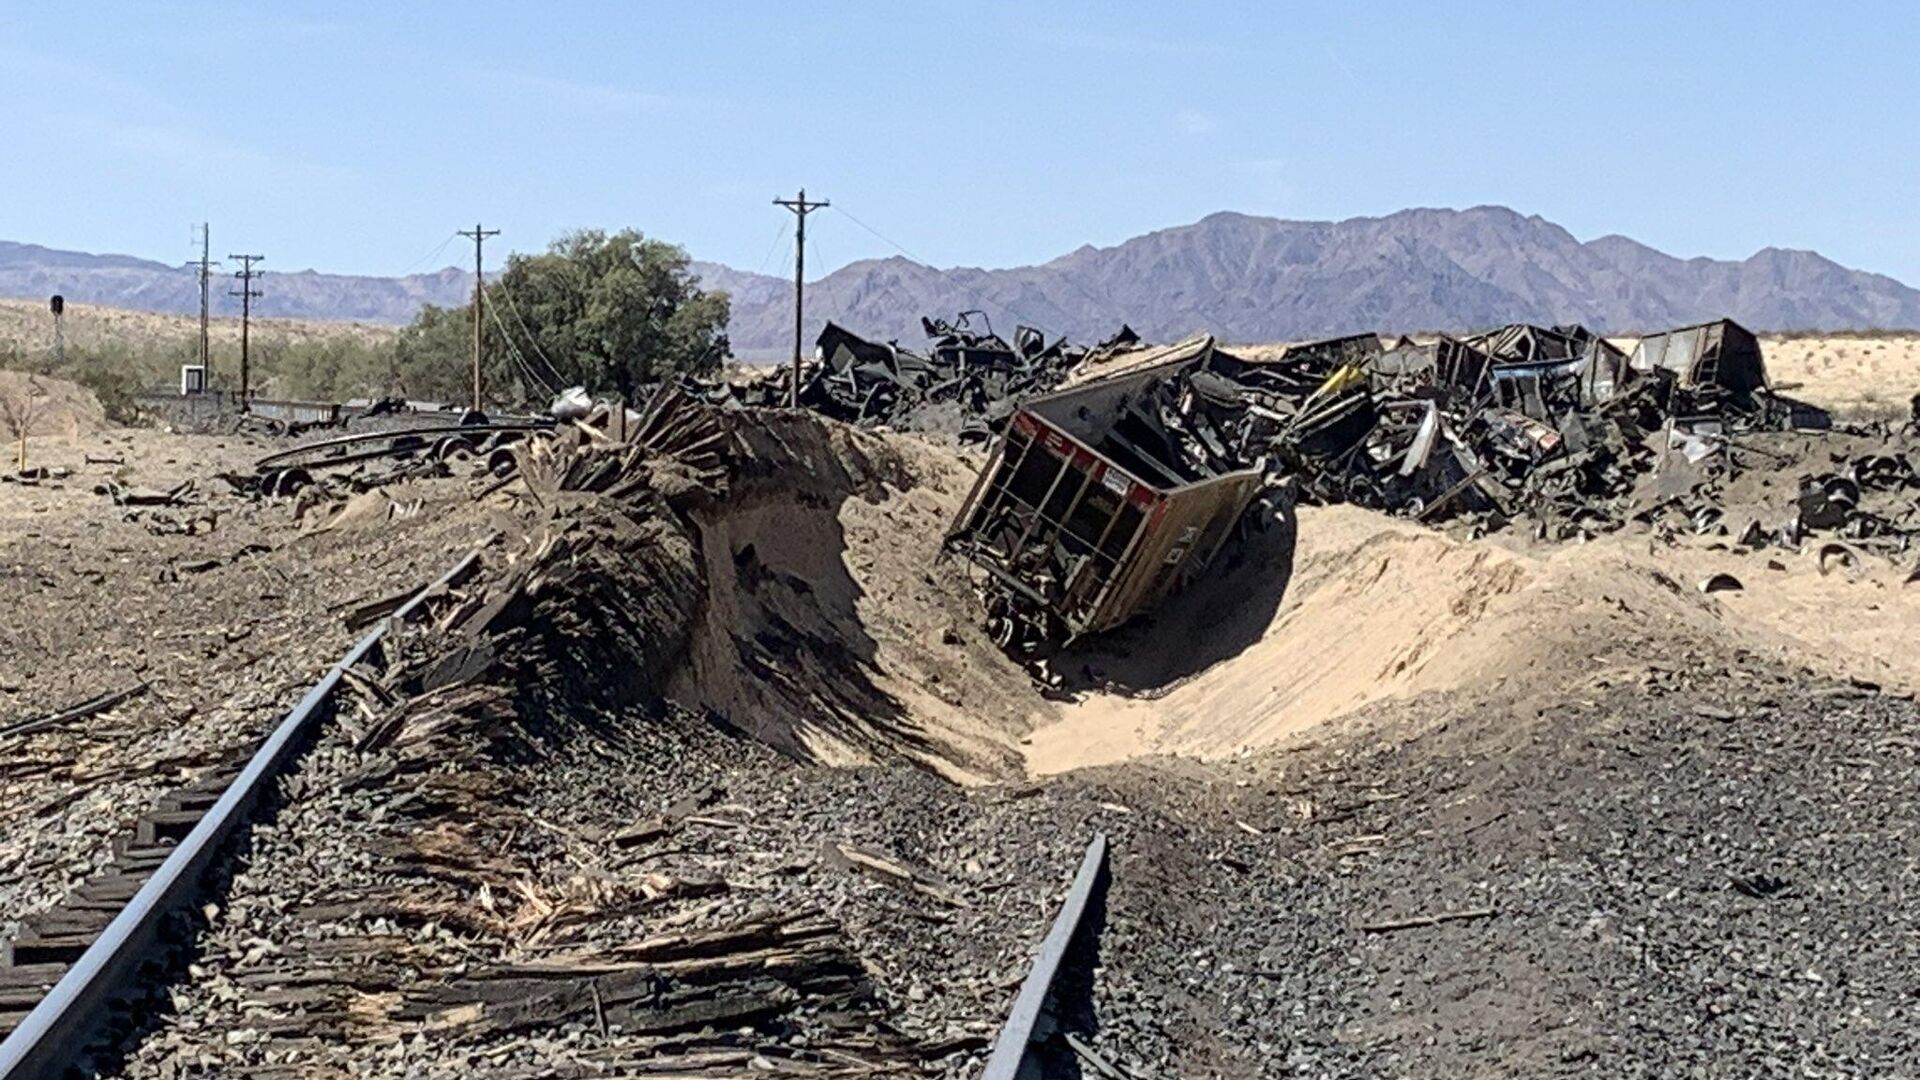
<point x="204" y="267"/>
<point x="801" y="208"/>
<point x="246" y="292"/>
<point x="479" y="236"/>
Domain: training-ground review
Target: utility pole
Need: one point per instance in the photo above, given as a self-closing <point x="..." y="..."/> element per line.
<point x="479" y="236"/>
<point x="801" y="208"/>
<point x="246" y="292"/>
<point x="205" y="269"/>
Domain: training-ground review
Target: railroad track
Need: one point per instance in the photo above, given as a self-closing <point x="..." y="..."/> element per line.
<point x="63" y="973"/>
<point x="1031" y="1025"/>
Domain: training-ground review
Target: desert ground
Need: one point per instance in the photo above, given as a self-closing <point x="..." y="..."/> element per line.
<point x="1384" y="799"/>
<point x="27" y="327"/>
<point x="1865" y="375"/>
<point x="1858" y="374"/>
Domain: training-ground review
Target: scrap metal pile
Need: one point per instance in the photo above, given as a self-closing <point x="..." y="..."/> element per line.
<point x="1553" y="424"/>
<point x="967" y="380"/>
<point x="1868" y="504"/>
<point x="1103" y="498"/>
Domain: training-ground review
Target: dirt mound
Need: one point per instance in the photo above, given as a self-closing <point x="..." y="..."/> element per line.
<point x="777" y="572"/>
<point x="1380" y="611"/>
<point x="60" y="408"/>
<point x="829" y="627"/>
<point x="822" y="619"/>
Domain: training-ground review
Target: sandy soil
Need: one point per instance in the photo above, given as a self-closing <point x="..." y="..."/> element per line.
<point x="1868" y="375"/>
<point x="832" y="627"/>
<point x="27" y="326"/>
<point x="1380" y="611"/>
<point x="55" y="408"/>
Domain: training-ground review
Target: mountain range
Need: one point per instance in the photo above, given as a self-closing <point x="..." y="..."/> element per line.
<point x="29" y="271"/>
<point x="1242" y="277"/>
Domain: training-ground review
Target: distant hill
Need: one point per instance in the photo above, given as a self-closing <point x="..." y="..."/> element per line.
<point x="1244" y="278"/>
<point x="1252" y="279"/>
<point x="29" y="271"/>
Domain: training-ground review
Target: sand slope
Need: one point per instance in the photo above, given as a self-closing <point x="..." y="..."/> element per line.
<point x="1381" y="611"/>
<point x="830" y="627"/>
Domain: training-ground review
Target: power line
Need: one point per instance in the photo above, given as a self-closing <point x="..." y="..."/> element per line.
<point x="801" y="208"/>
<point x="778" y="236"/>
<point x="246" y="292"/>
<point x="513" y="350"/>
<point x="532" y="376"/>
<point x="513" y="307"/>
<point x="842" y="211"/>
<point x="980" y="301"/>
<point x="431" y="255"/>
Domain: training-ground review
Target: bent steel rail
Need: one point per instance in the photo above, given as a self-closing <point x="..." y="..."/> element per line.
<point x="299" y="454"/>
<point x="1016" y="1036"/>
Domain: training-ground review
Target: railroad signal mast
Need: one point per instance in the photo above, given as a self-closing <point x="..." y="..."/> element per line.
<point x="58" y="305"/>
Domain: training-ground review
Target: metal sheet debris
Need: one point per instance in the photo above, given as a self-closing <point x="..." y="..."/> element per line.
<point x="965" y="382"/>
<point x="1551" y="426"/>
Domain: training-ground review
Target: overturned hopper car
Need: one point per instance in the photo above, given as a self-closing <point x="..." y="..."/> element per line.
<point x="1087" y="513"/>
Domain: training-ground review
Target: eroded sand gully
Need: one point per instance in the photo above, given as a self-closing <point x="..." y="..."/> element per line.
<point x="1334" y="611"/>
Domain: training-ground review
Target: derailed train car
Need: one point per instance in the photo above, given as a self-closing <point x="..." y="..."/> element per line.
<point x="1090" y="512"/>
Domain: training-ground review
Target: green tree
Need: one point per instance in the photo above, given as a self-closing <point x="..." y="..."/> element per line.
<point x="432" y="357"/>
<point x="333" y="368"/>
<point x="611" y="312"/>
<point x="117" y="372"/>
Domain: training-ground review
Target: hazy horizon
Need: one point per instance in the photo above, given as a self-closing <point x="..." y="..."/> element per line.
<point x="354" y="138"/>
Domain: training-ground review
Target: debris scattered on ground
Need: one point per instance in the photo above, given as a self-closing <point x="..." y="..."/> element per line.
<point x="1550" y="426"/>
<point x="1721" y="583"/>
<point x="91" y="707"/>
<point x="122" y="495"/>
<point x="964" y="385"/>
<point x="535" y="840"/>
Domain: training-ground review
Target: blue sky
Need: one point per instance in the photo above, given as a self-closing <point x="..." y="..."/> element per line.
<point x="356" y="137"/>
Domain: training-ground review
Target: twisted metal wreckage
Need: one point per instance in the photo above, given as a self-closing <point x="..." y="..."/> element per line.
<point x="968" y="380"/>
<point x="1102" y="499"/>
<point x="1118" y="473"/>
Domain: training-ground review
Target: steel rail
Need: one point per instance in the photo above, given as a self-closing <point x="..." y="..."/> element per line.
<point x="1016" y="1035"/>
<point x="56" y="1033"/>
<point x="296" y="453"/>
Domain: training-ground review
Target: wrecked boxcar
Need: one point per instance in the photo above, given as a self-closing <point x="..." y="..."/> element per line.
<point x="1091" y="510"/>
<point x="1712" y="368"/>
